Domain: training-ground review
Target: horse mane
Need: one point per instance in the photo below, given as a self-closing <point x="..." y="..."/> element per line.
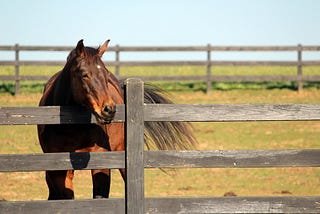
<point x="47" y="97"/>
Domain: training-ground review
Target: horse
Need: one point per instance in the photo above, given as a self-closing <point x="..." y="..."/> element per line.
<point x="85" y="81"/>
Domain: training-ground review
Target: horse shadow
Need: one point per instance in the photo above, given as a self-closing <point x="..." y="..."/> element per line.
<point x="76" y="115"/>
<point x="79" y="160"/>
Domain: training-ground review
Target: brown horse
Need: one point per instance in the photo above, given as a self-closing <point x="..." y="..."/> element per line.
<point x="85" y="81"/>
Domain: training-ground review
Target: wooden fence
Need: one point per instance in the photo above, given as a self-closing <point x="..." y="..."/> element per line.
<point x="135" y="159"/>
<point x="209" y="62"/>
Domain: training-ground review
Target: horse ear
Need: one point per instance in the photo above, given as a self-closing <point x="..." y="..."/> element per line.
<point x="80" y="48"/>
<point x="103" y="48"/>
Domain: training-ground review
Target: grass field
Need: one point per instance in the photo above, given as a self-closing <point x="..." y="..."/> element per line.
<point x="190" y="182"/>
<point x="34" y="87"/>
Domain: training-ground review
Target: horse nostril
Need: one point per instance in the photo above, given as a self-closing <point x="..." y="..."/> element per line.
<point x="109" y="109"/>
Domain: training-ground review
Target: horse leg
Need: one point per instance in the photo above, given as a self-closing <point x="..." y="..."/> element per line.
<point x="101" y="183"/>
<point x="60" y="184"/>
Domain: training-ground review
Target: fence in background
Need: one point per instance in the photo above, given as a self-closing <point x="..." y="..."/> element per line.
<point x="134" y="113"/>
<point x="208" y="62"/>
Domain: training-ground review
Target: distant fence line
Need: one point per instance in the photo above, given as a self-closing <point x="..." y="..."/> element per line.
<point x="208" y="62"/>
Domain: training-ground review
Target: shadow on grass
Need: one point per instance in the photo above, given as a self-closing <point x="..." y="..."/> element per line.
<point x="25" y="87"/>
<point x="7" y="88"/>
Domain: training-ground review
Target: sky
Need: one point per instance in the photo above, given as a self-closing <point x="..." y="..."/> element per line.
<point x="165" y="22"/>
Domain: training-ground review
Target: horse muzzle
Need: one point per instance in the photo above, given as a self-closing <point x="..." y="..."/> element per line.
<point x="107" y="114"/>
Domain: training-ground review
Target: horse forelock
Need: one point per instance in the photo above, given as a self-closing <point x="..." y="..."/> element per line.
<point x="90" y="55"/>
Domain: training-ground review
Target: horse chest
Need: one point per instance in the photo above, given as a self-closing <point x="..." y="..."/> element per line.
<point x="69" y="138"/>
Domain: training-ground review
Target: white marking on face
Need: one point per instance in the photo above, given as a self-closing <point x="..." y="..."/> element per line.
<point x="99" y="67"/>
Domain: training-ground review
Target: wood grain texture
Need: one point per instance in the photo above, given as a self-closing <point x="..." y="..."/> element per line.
<point x="165" y="112"/>
<point x="162" y="159"/>
<point x="64" y="206"/>
<point x="134" y="147"/>
<point x="61" y="161"/>
<point x="51" y="115"/>
<point x="232" y="112"/>
<point x="234" y="205"/>
<point x="171" y="205"/>
<point x="232" y="158"/>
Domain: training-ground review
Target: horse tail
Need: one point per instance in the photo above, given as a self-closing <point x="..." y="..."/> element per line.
<point x="166" y="135"/>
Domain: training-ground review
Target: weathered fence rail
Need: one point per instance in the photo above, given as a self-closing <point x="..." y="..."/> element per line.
<point x="168" y="112"/>
<point x="163" y="159"/>
<point x="208" y="62"/>
<point x="135" y="113"/>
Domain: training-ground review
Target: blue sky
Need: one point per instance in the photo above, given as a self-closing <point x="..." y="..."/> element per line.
<point x="165" y="22"/>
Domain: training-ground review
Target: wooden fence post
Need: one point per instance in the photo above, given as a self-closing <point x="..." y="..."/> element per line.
<point x="134" y="146"/>
<point x="299" y="69"/>
<point x="17" y="70"/>
<point x="208" y="69"/>
<point x="117" y="68"/>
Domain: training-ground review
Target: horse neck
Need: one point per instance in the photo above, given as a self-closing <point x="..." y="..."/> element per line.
<point x="62" y="94"/>
<point x="115" y="83"/>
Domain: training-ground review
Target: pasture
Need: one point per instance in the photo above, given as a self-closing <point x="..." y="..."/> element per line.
<point x="37" y="86"/>
<point x="189" y="182"/>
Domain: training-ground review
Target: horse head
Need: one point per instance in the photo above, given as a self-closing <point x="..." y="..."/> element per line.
<point x="89" y="81"/>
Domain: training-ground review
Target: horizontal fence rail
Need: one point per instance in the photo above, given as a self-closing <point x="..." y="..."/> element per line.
<point x="162" y="159"/>
<point x="168" y="63"/>
<point x="165" y="112"/>
<point x="172" y="205"/>
<point x="208" y="62"/>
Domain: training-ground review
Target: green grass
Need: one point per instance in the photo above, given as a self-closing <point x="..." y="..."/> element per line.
<point x="211" y="136"/>
<point x="174" y="70"/>
<point x="217" y="70"/>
